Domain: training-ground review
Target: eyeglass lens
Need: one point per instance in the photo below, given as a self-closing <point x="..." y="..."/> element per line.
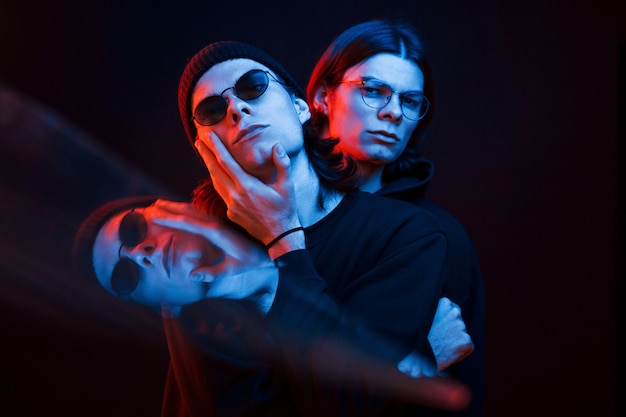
<point x="249" y="86"/>
<point x="377" y="94"/>
<point x="132" y="231"/>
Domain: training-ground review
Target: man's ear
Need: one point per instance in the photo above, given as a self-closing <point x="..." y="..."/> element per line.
<point x="320" y="100"/>
<point x="302" y="109"/>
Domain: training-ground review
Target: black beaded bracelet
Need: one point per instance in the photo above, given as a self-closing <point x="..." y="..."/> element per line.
<point x="282" y="235"/>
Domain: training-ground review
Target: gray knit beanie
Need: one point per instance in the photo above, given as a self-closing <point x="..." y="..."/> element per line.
<point x="215" y="53"/>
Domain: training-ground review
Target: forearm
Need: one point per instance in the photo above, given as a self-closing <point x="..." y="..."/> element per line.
<point x="327" y="346"/>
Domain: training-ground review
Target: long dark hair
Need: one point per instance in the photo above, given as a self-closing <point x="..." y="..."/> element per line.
<point x="355" y="45"/>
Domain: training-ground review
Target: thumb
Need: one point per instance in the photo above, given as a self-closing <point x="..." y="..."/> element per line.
<point x="281" y="162"/>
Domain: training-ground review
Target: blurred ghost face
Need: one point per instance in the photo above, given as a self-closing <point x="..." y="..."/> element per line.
<point x="140" y="260"/>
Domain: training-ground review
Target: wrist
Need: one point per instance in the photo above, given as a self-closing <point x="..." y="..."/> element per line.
<point x="294" y="240"/>
<point x="283" y="235"/>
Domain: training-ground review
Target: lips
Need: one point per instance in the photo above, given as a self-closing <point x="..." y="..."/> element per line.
<point x="248" y="132"/>
<point x="385" y="135"/>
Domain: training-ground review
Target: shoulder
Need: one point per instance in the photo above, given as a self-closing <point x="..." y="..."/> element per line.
<point x="392" y="213"/>
<point x="449" y="223"/>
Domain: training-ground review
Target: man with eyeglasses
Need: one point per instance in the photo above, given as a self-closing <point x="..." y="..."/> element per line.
<point x="352" y="97"/>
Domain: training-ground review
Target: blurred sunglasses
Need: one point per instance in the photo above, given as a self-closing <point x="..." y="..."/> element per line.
<point x="132" y="231"/>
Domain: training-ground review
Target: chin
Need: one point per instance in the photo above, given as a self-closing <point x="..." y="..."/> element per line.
<point x="251" y="158"/>
<point x="380" y="159"/>
<point x="263" y="169"/>
<point x="384" y="156"/>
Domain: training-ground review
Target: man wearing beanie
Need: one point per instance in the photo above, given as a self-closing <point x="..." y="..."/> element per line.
<point x="367" y="275"/>
<point x="135" y="250"/>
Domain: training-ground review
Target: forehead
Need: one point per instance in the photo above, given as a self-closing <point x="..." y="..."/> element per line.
<point x="106" y="248"/>
<point x="221" y="76"/>
<point x="398" y="72"/>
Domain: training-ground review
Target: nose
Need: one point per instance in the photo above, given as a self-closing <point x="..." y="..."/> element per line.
<point x="237" y="108"/>
<point x="143" y="254"/>
<point x="393" y="109"/>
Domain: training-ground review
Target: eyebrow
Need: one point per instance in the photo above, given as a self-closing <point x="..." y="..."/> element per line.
<point x="370" y="78"/>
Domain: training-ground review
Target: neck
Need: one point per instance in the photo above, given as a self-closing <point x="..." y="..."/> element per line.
<point x="371" y="177"/>
<point x="371" y="174"/>
<point x="307" y="189"/>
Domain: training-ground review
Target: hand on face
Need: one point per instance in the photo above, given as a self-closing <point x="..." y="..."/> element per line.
<point x="177" y="256"/>
<point x="265" y="210"/>
<point x="239" y="252"/>
<point x="244" y="271"/>
<point x="248" y="124"/>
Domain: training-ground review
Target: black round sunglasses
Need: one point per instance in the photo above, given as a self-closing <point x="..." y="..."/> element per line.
<point x="249" y="86"/>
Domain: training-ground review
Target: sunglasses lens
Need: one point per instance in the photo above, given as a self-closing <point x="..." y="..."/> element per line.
<point x="210" y="110"/>
<point x="133" y="228"/>
<point x="125" y="277"/>
<point x="251" y="85"/>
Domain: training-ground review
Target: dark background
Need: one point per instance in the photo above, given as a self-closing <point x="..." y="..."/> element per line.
<point x="528" y="130"/>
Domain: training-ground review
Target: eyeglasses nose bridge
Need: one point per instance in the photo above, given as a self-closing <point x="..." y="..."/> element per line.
<point x="389" y="99"/>
<point x="234" y="93"/>
<point x="229" y="98"/>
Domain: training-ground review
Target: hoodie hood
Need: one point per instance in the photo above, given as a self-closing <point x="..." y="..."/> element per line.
<point x="410" y="187"/>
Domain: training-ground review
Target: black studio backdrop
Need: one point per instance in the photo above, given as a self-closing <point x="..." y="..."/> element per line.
<point x="524" y="141"/>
